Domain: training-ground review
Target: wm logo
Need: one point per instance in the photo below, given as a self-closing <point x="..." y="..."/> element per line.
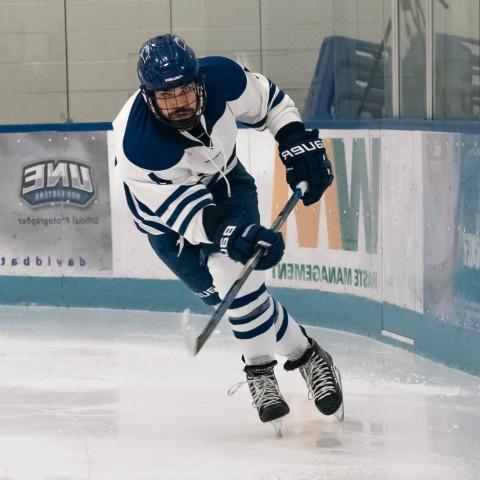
<point x="352" y="198"/>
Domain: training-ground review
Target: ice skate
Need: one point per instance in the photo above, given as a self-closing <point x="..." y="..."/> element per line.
<point x="322" y="379"/>
<point x="263" y="386"/>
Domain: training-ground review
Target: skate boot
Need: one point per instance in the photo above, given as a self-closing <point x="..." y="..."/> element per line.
<point x="322" y="379"/>
<point x="265" y="392"/>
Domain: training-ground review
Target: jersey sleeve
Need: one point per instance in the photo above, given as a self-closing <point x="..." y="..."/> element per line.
<point x="263" y="105"/>
<point x="157" y="209"/>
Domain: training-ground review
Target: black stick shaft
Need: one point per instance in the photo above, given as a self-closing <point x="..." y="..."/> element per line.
<point x="247" y="269"/>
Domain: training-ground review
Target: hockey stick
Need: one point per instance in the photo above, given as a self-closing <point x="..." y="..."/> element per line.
<point x="195" y="342"/>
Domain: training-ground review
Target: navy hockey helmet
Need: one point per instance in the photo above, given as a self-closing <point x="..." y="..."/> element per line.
<point x="165" y="63"/>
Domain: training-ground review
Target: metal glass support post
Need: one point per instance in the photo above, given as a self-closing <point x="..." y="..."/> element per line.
<point x="395" y="58"/>
<point x="260" y="34"/>
<point x="429" y="62"/>
<point x="67" y="65"/>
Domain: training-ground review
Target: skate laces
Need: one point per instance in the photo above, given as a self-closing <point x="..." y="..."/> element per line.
<point x="234" y="388"/>
<point x="263" y="388"/>
<point x="319" y="378"/>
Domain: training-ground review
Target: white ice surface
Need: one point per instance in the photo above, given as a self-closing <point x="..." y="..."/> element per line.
<point x="112" y="395"/>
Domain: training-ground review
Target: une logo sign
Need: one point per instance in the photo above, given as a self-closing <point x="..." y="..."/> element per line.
<point x="57" y="181"/>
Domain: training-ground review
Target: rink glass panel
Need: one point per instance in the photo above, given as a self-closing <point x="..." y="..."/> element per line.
<point x="457" y="60"/>
<point x="32" y="62"/>
<point x="103" y="38"/>
<point x="74" y="60"/>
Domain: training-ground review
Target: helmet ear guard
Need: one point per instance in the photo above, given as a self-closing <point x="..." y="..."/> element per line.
<point x="149" y="98"/>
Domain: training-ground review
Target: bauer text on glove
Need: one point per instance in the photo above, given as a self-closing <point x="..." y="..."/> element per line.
<point x="305" y="159"/>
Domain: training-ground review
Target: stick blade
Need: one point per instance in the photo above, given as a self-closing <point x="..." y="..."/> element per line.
<point x="189" y="337"/>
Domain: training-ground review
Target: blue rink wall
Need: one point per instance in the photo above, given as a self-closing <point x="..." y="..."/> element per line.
<point x="423" y="251"/>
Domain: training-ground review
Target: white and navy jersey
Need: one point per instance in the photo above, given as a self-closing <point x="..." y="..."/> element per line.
<point x="167" y="173"/>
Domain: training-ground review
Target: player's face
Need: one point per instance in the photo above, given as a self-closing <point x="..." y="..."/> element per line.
<point x="178" y="103"/>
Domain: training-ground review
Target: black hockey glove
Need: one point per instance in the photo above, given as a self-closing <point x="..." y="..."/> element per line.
<point x="240" y="243"/>
<point x="305" y="158"/>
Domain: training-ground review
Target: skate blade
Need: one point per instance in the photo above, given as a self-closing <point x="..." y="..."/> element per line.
<point x="277" y="426"/>
<point x="340" y="413"/>
<point x="189" y="338"/>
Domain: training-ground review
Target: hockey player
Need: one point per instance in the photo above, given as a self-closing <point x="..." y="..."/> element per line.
<point x="189" y="193"/>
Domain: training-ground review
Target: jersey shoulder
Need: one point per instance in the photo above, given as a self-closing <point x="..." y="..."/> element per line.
<point x="223" y="77"/>
<point x="147" y="143"/>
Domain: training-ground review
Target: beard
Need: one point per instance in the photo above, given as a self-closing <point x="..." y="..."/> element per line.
<point x="182" y="114"/>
